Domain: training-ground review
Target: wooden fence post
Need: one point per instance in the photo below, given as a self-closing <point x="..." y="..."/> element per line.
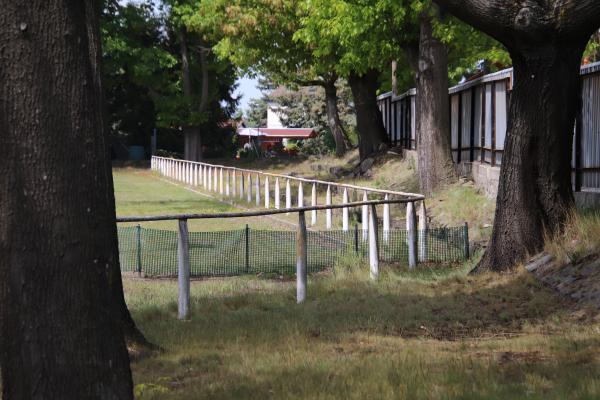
<point x="373" y="243"/>
<point x="313" y="197"/>
<point x="288" y="194"/>
<point x="301" y="259"/>
<point x="233" y="183"/>
<point x="183" y="277"/>
<point x="386" y="221"/>
<point x="227" y="184"/>
<point x="411" y="234"/>
<point x="423" y="256"/>
<point x="267" y="194"/>
<point x="221" y="191"/>
<point x="215" y="182"/>
<point x="138" y="234"/>
<point x="300" y="194"/>
<point x="277" y="194"/>
<point x="205" y="176"/>
<point x="210" y="174"/>
<point x="345" y="216"/>
<point x="257" y="189"/>
<point x="249" y="189"/>
<point x="241" y="185"/>
<point x="328" y="211"/>
<point x="365" y="218"/>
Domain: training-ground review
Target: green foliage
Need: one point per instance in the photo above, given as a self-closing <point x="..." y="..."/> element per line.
<point x="142" y="74"/>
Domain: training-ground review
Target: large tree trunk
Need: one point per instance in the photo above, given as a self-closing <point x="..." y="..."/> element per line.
<point x="60" y="339"/>
<point x="371" y="132"/>
<point x="435" y="166"/>
<point x="191" y="134"/>
<point x="342" y="144"/>
<point x="546" y="42"/>
<point x="535" y="192"/>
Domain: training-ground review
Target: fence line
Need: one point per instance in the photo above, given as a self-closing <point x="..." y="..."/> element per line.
<point x="224" y="180"/>
<point x="479" y="116"/>
<point x="184" y="266"/>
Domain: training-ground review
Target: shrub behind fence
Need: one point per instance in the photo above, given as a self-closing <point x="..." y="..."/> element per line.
<point x="249" y="251"/>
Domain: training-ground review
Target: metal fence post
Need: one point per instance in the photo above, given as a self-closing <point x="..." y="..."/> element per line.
<point x="411" y="234"/>
<point x="466" y="238"/>
<point x="373" y="243"/>
<point x="247" y="258"/>
<point x="301" y="259"/>
<point x="138" y="233"/>
<point x="183" y="277"/>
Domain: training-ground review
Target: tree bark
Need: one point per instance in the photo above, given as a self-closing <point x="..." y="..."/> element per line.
<point x="57" y="220"/>
<point x="371" y="131"/>
<point x="535" y="193"/>
<point x="546" y="42"/>
<point x="342" y="144"/>
<point x="191" y="134"/>
<point x="435" y="166"/>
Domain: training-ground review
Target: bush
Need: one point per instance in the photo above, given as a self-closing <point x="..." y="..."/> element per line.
<point x="318" y="146"/>
<point x="167" y="154"/>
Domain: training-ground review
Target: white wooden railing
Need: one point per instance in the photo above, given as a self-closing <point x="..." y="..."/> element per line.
<point x="255" y="187"/>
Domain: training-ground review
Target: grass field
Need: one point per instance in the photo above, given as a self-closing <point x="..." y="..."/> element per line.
<point x="426" y="335"/>
<point x="141" y="192"/>
<point x="430" y="334"/>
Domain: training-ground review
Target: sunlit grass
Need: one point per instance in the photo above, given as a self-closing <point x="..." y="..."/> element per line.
<point x="434" y="334"/>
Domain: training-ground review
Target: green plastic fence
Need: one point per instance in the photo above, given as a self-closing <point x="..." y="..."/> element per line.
<point x="249" y="251"/>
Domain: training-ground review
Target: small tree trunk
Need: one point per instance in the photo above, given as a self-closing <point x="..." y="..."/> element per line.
<point x="535" y="193"/>
<point x="191" y="135"/>
<point x="371" y="131"/>
<point x="342" y="144"/>
<point x="60" y="337"/>
<point x="435" y="165"/>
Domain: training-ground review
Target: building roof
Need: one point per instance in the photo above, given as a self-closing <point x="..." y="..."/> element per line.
<point x="283" y="133"/>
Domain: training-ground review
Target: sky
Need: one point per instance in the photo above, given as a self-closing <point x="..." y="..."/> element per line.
<point x="249" y="90"/>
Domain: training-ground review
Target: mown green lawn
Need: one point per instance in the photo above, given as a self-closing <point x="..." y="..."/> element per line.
<point x="141" y="192"/>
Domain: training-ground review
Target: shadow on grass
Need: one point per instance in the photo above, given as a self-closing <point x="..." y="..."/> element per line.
<point x="403" y="337"/>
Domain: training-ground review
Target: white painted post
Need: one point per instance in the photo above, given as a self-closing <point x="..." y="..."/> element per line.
<point x="241" y="185"/>
<point x="204" y="176"/>
<point x="267" y="195"/>
<point x="215" y="181"/>
<point x="386" y="221"/>
<point x="221" y="188"/>
<point x="300" y="195"/>
<point x="288" y="194"/>
<point x="373" y="245"/>
<point x="411" y="235"/>
<point x="234" y="183"/>
<point x="210" y="175"/>
<point x="249" y="189"/>
<point x="423" y="256"/>
<point x="183" y="276"/>
<point x="277" y="194"/>
<point x="313" y="198"/>
<point x="365" y="218"/>
<point x="301" y="259"/>
<point x="345" y="219"/>
<point x="257" y="190"/>
<point x="328" y="203"/>
<point x="227" y="179"/>
<point x="189" y="173"/>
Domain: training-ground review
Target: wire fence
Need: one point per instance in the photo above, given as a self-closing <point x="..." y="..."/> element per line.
<point x="153" y="252"/>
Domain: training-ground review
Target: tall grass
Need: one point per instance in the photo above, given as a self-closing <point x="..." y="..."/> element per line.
<point x="579" y="238"/>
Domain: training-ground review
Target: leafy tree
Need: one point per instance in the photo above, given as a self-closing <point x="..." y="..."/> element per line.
<point x="258" y="37"/>
<point x="546" y="41"/>
<point x="149" y="84"/>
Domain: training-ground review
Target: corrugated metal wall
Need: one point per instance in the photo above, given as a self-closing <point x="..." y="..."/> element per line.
<point x="479" y="113"/>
